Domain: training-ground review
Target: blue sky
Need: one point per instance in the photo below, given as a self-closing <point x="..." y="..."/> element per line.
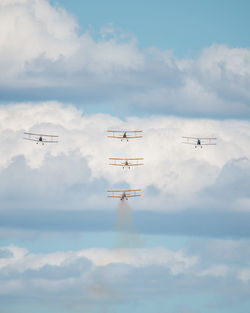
<point x="170" y="68"/>
<point x="185" y="27"/>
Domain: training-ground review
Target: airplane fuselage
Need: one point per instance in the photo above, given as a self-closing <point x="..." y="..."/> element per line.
<point x="198" y="143"/>
<point x="124" y="136"/>
<point x="40" y="139"/>
<point x="126" y="164"/>
<point x="124" y="196"/>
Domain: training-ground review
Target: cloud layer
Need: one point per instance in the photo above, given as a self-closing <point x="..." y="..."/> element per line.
<point x="114" y="277"/>
<point x="74" y="174"/>
<point x="62" y="187"/>
<point x="43" y="56"/>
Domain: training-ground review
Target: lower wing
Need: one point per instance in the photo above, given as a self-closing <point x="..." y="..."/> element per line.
<point x="125" y="164"/>
<point x="43" y="141"/>
<point x="190" y="143"/>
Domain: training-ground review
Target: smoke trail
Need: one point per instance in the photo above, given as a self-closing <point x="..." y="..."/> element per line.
<point x="128" y="236"/>
<point x="125" y="222"/>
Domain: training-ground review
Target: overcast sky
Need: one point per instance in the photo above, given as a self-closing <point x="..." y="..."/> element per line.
<point x="79" y="68"/>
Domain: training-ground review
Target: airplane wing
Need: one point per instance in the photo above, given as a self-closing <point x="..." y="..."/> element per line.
<point x="133" y="131"/>
<point x="190" y="143"/>
<point x="126" y="159"/>
<point x="192" y="138"/>
<point x="31" y="139"/>
<point x="129" y="164"/>
<point x="202" y="138"/>
<point x="127" y="196"/>
<point x="119" y="164"/>
<point x="135" y="164"/>
<point x="120" y="137"/>
<point x="50" y="141"/>
<point x="124" y="190"/>
<point x="44" y="141"/>
<point x="41" y="135"/>
<point x="124" y="131"/>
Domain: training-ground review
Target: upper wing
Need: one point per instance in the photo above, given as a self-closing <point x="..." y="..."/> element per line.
<point x="133" y="131"/>
<point x="126" y="159"/>
<point x="42" y="135"/>
<point x="203" y="138"/>
<point x="191" y="138"/>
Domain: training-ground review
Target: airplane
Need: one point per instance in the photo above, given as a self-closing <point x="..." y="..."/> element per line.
<point x="124" y="194"/>
<point x="39" y="138"/>
<point x="198" y="141"/>
<point x="125" y="162"/>
<point x="125" y="134"/>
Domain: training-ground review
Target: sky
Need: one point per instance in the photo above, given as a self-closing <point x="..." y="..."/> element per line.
<point x="169" y="68"/>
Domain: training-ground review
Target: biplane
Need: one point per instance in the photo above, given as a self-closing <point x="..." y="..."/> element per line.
<point x="41" y="138"/>
<point x="124" y="194"/>
<point x="125" y="134"/>
<point x="199" y="141"/>
<point x="126" y="162"/>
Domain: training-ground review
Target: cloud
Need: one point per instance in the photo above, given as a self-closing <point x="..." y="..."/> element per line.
<point x="44" y="56"/>
<point x="117" y="276"/>
<point x="74" y="174"/>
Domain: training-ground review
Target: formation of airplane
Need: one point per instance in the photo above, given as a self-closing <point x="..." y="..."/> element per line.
<point x="41" y="138"/>
<point x="126" y="162"/>
<point x="124" y="194"/>
<point x="122" y="162"/>
<point x="199" y="141"/>
<point x="125" y="134"/>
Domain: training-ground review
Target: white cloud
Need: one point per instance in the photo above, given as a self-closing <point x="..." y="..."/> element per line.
<point x="115" y="275"/>
<point x="176" y="261"/>
<point x="31" y="29"/>
<point x="36" y="30"/>
<point x="220" y="270"/>
<point x="244" y="275"/>
<point x="43" y="56"/>
<point x="74" y="173"/>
